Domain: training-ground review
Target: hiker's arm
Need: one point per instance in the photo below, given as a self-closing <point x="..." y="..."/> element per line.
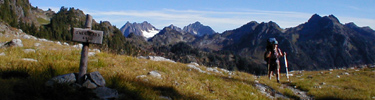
<point x="268" y="54"/>
<point x="280" y="53"/>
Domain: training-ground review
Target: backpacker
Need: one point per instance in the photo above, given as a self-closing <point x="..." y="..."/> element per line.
<point x="269" y="47"/>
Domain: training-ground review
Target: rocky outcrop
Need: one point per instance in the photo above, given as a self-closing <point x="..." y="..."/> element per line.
<point x="198" y="29"/>
<point x="142" y="29"/>
<point x="12" y="43"/>
<point x="169" y="36"/>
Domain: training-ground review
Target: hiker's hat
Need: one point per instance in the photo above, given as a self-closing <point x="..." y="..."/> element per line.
<point x="275" y="43"/>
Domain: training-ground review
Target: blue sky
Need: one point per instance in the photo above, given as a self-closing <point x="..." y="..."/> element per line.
<point x="220" y="15"/>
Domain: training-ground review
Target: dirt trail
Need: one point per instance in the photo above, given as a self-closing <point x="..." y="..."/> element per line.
<point x="273" y="94"/>
<point x="301" y="94"/>
<point x="269" y="92"/>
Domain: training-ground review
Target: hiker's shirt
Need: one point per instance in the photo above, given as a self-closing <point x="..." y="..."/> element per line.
<point x="275" y="55"/>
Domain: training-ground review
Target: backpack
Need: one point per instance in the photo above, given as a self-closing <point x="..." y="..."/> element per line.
<point x="269" y="47"/>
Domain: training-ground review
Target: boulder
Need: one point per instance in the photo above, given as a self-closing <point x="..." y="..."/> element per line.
<point x="37" y="44"/>
<point x="66" y="44"/>
<point x="29" y="59"/>
<point x="13" y="43"/>
<point x="97" y="78"/>
<point x="105" y="93"/>
<point x="90" y="85"/>
<point x="29" y="50"/>
<point x="154" y="74"/>
<point x="158" y="58"/>
<point x="91" y="54"/>
<point x="195" y="67"/>
<point x="2" y="54"/>
<point x="62" y="79"/>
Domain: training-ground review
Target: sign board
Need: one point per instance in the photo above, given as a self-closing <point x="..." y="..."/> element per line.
<point x="87" y="36"/>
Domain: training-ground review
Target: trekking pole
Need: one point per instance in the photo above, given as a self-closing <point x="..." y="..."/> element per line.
<point x="286" y="66"/>
<point x="268" y="65"/>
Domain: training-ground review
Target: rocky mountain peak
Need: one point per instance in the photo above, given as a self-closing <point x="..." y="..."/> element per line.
<point x="314" y="18"/>
<point x="198" y="29"/>
<point x="144" y="29"/>
<point x="175" y="28"/>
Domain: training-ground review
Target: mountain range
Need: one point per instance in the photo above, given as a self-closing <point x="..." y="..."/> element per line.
<point x="147" y="30"/>
<point x="320" y="43"/>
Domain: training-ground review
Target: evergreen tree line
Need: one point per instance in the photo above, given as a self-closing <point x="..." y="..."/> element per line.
<point x="61" y="24"/>
<point x="185" y="53"/>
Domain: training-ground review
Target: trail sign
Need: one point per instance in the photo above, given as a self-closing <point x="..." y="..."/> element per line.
<point x="87" y="36"/>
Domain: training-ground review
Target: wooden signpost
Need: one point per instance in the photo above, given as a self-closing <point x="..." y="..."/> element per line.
<point x="86" y="36"/>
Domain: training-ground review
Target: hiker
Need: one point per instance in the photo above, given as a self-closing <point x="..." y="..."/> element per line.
<point x="272" y="56"/>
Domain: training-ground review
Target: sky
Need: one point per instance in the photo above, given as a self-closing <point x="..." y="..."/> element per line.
<point x="220" y="15"/>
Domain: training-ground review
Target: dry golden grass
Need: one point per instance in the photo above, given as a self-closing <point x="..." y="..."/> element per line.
<point x="22" y="79"/>
<point x="120" y="71"/>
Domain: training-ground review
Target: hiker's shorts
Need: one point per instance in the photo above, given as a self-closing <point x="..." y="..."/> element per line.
<point x="274" y="64"/>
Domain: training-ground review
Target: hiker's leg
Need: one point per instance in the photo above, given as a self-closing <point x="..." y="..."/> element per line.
<point x="278" y="71"/>
<point x="269" y="73"/>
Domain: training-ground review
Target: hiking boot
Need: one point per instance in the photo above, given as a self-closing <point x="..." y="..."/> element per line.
<point x="278" y="81"/>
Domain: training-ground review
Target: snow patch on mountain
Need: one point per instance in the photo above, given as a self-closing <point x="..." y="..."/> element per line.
<point x="150" y="33"/>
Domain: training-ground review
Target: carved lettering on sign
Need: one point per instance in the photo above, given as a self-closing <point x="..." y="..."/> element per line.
<point x="87" y="36"/>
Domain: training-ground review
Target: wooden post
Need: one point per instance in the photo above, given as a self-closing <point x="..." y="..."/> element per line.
<point x="84" y="53"/>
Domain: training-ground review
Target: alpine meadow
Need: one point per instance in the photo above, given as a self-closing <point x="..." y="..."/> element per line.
<point x="39" y="60"/>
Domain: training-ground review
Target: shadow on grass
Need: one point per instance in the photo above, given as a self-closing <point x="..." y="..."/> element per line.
<point x="136" y="94"/>
<point x="20" y="83"/>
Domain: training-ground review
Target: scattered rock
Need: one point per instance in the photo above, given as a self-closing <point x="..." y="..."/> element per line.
<point x="78" y="46"/>
<point x="195" y="67"/>
<point x="91" y="53"/>
<point x="44" y="40"/>
<point x="96" y="50"/>
<point x="13" y="43"/>
<point x="25" y="36"/>
<point x="29" y="50"/>
<point x="194" y="63"/>
<point x="141" y="76"/>
<point x="142" y="57"/>
<point x="155" y="74"/>
<point x="105" y="93"/>
<point x="66" y="44"/>
<point x="310" y="76"/>
<point x="90" y="85"/>
<point x="323" y="83"/>
<point x="2" y="54"/>
<point x="29" y="59"/>
<point x="37" y="44"/>
<point x="213" y="70"/>
<point x="158" y="58"/>
<point x="97" y="78"/>
<point x="338" y="76"/>
<point x="93" y="81"/>
<point x="330" y="69"/>
<point x="62" y="79"/>
<point x="58" y="43"/>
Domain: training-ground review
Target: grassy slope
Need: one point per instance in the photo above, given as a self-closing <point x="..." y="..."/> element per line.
<point x="24" y="79"/>
<point x="351" y="83"/>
